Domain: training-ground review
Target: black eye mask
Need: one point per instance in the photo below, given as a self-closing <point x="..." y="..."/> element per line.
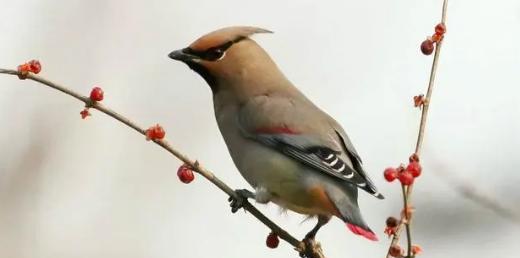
<point x="212" y="53"/>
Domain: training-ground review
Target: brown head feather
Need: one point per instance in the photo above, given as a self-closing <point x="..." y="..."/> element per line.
<point x="222" y="36"/>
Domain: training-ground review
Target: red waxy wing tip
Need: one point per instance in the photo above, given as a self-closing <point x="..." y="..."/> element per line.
<point x="362" y="232"/>
<point x="276" y="130"/>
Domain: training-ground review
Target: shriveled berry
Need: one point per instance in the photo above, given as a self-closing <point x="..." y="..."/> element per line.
<point x="390" y="174"/>
<point x="24" y="68"/>
<point x="437" y="37"/>
<point x="414" y="168"/>
<point x="407" y="212"/>
<point x="414" y="157"/>
<point x="35" y="66"/>
<point x="418" y="100"/>
<point x="427" y="47"/>
<point x="440" y="29"/>
<point x="390" y="231"/>
<point x="185" y="174"/>
<point x="392" y="222"/>
<point x="395" y="251"/>
<point x="416" y="250"/>
<point x="406" y="178"/>
<point x="84" y="113"/>
<point x="272" y="240"/>
<point x="96" y="94"/>
<point x="155" y="132"/>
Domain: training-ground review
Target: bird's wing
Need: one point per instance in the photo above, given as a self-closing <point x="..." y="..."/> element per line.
<point x="357" y="163"/>
<point x="301" y="131"/>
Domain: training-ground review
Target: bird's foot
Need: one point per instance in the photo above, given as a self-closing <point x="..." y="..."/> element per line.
<point x="310" y="248"/>
<point x="310" y="236"/>
<point x="242" y="196"/>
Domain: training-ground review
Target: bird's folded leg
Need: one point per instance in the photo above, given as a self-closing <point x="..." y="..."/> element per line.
<point x="322" y="220"/>
<point x="238" y="203"/>
<point x="310" y="248"/>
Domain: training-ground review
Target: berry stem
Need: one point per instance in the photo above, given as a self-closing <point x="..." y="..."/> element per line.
<point x="408" y="218"/>
<point x="427" y="99"/>
<point x="407" y="191"/>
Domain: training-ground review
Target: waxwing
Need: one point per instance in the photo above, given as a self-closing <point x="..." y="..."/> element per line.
<point x="290" y="151"/>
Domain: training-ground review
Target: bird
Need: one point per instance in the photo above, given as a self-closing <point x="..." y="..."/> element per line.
<point x="289" y="150"/>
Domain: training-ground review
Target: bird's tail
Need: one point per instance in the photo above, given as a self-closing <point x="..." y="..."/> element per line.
<point x="349" y="212"/>
<point x="367" y="233"/>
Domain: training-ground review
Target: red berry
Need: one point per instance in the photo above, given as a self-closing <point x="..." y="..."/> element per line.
<point x="23" y="71"/>
<point x="414" y="168"/>
<point x="427" y="47"/>
<point x="24" y="68"/>
<point x="185" y="174"/>
<point x="440" y="29"/>
<point x="35" y="66"/>
<point x="272" y="240"/>
<point x="159" y="132"/>
<point x="390" y="174"/>
<point x="84" y="113"/>
<point x="150" y="134"/>
<point x="406" y="178"/>
<point x="392" y="222"/>
<point x="155" y="132"/>
<point x="96" y="94"/>
<point x="395" y="251"/>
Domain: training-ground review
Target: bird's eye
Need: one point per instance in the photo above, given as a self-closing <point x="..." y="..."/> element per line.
<point x="214" y="54"/>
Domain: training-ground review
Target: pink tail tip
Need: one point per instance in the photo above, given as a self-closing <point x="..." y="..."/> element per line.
<point x="362" y="232"/>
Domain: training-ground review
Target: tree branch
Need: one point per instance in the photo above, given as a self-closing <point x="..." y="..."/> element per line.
<point x="312" y="250"/>
<point x="407" y="190"/>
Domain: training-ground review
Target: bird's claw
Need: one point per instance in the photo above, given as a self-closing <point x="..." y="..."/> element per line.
<point x="309" y="248"/>
<point x="238" y="203"/>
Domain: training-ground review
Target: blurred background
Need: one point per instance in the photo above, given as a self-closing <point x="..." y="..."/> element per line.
<point x="94" y="188"/>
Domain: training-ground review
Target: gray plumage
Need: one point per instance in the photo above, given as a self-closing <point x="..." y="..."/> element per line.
<point x="288" y="149"/>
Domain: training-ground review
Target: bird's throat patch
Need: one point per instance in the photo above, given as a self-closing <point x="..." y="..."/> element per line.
<point x="206" y="75"/>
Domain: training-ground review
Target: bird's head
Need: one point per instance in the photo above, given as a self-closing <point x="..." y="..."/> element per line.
<point x="226" y="54"/>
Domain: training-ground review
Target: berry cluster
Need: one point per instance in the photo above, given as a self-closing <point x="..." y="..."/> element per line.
<point x="96" y="94"/>
<point x="32" y="66"/>
<point x="406" y="175"/>
<point x="398" y="252"/>
<point x="428" y="45"/>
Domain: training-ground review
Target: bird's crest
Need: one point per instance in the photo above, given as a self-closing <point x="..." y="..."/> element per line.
<point x="225" y="35"/>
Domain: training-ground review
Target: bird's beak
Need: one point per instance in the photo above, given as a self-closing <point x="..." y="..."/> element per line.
<point x="183" y="56"/>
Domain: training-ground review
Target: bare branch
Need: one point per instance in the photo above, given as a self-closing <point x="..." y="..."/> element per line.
<point x="407" y="190"/>
<point x="310" y="250"/>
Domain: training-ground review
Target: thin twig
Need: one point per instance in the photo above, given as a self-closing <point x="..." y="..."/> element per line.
<point x="407" y="190"/>
<point x="406" y="209"/>
<point x="427" y="99"/>
<point x="310" y="251"/>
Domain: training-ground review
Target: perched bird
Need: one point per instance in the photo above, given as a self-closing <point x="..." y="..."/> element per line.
<point x="290" y="151"/>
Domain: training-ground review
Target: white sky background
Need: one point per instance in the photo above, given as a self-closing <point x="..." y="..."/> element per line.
<point x="94" y="188"/>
